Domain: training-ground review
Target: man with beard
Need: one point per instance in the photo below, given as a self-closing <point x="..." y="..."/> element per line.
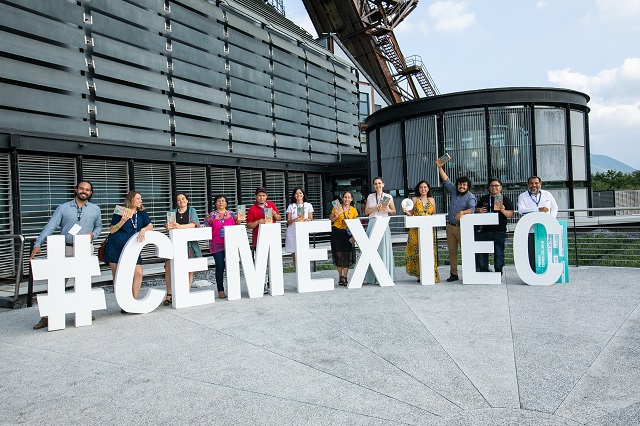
<point x="494" y="202"/>
<point x="77" y="211"/>
<point x="536" y="199"/>
<point x="462" y="202"/>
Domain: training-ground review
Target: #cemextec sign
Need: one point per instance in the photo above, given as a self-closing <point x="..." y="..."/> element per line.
<point x="56" y="268"/>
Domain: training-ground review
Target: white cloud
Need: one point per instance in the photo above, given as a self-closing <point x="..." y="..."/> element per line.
<point x="615" y="107"/>
<point x="617" y="10"/>
<point x="610" y="88"/>
<point x="412" y="26"/>
<point x="451" y="16"/>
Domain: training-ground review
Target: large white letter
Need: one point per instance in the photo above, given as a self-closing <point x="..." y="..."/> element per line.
<point x="181" y="265"/>
<point x="55" y="268"/>
<point x="305" y="254"/>
<point x="425" y="225"/>
<point x="126" y="267"/>
<point x="470" y="247"/>
<point x="369" y="251"/>
<point x="236" y="245"/>
<point x="521" y="249"/>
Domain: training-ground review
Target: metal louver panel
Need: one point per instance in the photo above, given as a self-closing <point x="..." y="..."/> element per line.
<point x="192" y="181"/>
<point x="314" y="195"/>
<point x="421" y="138"/>
<point x="45" y="183"/>
<point x="510" y="144"/>
<point x="7" y="254"/>
<point x="294" y="180"/>
<point x="464" y="135"/>
<point x="153" y="182"/>
<point x="223" y="182"/>
<point x="249" y="181"/>
<point x="110" y="180"/>
<point x="275" y="189"/>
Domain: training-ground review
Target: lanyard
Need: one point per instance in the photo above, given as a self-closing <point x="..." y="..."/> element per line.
<point x="534" y="200"/>
<point x="345" y="213"/>
<point x="79" y="212"/>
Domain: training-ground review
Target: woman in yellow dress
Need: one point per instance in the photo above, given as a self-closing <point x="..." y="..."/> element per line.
<point x="423" y="204"/>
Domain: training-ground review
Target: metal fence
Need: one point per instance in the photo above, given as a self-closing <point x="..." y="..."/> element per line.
<point x="594" y="239"/>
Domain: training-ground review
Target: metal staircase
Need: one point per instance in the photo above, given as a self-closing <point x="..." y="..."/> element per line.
<point x="381" y="17"/>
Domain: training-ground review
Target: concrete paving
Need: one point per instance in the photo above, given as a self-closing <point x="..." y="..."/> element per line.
<point x="447" y="354"/>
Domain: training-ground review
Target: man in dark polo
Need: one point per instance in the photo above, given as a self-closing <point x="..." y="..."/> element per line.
<point x="494" y="203"/>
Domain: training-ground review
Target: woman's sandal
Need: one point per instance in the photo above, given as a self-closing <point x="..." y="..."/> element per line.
<point x="342" y="280"/>
<point x="167" y="301"/>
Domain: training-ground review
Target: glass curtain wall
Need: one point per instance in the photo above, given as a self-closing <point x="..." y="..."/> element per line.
<point x="391" y="156"/>
<point x="422" y="150"/>
<point x="465" y="140"/>
<point x="510" y="141"/>
<point x="551" y="143"/>
<point x="578" y="150"/>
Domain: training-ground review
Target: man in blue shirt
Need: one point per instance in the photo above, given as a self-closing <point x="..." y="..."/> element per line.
<point x="462" y="202"/>
<point x="77" y="211"/>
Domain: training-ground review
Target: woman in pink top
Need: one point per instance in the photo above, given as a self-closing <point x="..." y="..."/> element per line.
<point x="217" y="220"/>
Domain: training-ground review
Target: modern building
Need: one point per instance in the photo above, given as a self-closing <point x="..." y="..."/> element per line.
<point x="508" y="133"/>
<point x="161" y="96"/>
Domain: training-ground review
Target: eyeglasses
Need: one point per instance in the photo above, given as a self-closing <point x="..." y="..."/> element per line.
<point x="494" y="186"/>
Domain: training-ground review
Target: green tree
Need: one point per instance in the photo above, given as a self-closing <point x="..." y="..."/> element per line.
<point x="612" y="180"/>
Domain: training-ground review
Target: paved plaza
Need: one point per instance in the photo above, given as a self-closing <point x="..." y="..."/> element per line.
<point x="448" y="354"/>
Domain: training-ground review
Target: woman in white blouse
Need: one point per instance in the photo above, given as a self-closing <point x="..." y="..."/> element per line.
<point x="299" y="210"/>
<point x="380" y="204"/>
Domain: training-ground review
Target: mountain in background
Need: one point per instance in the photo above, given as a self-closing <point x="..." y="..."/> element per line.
<point x="603" y="163"/>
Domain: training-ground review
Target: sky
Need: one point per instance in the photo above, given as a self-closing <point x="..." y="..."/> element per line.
<point x="584" y="45"/>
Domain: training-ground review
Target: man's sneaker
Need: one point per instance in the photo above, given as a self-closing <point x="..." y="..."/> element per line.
<point x="503" y="277"/>
<point x="44" y="321"/>
<point x="452" y="278"/>
<point x="266" y="289"/>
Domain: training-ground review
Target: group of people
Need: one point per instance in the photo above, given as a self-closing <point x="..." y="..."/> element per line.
<point x="534" y="199"/>
<point x="80" y="216"/>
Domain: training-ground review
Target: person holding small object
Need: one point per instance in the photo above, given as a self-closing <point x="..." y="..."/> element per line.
<point x="182" y="217"/>
<point x="256" y="216"/>
<point x="462" y="202"/>
<point x="133" y="219"/>
<point x="342" y="249"/>
<point x="75" y="217"/>
<point x="494" y="203"/>
<point x="298" y="211"/>
<point x="380" y="204"/>
<point x="536" y="199"/>
<point x="423" y="205"/>
<point x="218" y="219"/>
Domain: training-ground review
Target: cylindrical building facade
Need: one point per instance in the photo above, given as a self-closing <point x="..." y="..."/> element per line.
<point x="507" y="133"/>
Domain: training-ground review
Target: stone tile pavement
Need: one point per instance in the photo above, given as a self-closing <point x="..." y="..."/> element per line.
<point x="448" y="354"/>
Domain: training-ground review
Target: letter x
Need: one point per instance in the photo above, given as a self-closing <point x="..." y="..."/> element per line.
<point x="369" y="252"/>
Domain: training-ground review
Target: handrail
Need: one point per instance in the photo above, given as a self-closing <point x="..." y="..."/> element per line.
<point x="314" y="241"/>
<point x="19" y="266"/>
